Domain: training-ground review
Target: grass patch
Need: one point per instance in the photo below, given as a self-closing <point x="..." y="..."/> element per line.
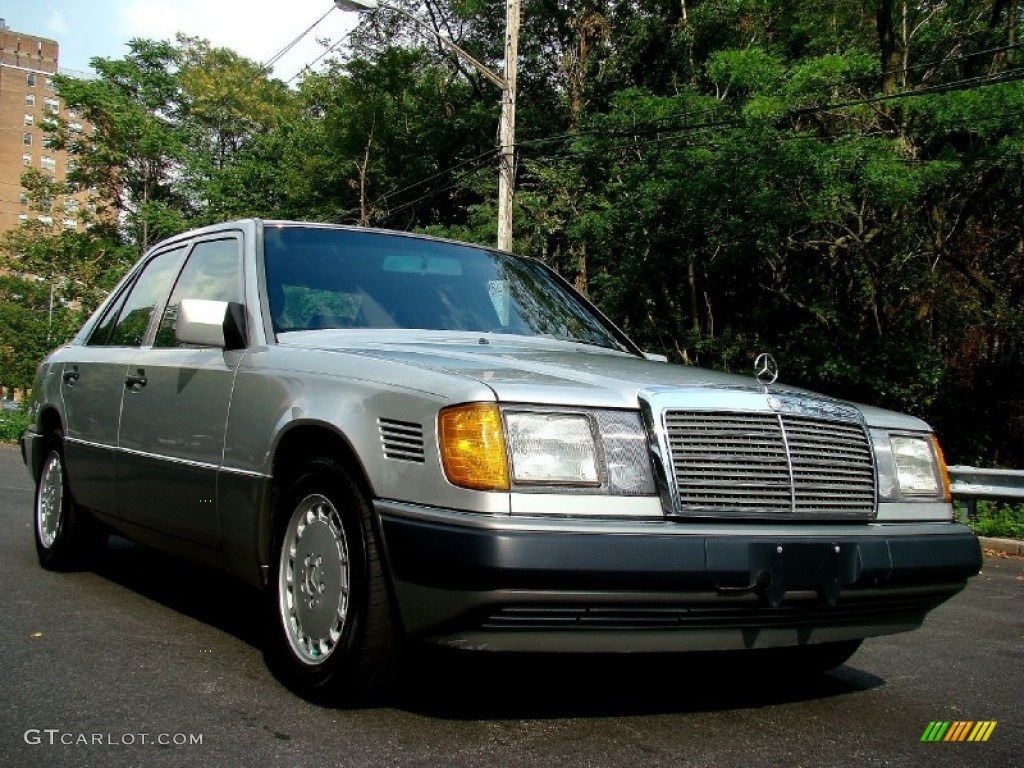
<point x="997" y="519"/>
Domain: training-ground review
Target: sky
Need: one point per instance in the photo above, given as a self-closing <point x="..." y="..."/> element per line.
<point x="257" y="29"/>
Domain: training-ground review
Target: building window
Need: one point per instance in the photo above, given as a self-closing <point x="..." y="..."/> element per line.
<point x="30" y="80"/>
<point x="71" y="205"/>
<point x="47" y="220"/>
<point x="26" y="139"/>
<point x="51" y="105"/>
<point x="70" y="224"/>
<point x="24" y="198"/>
<point x="71" y="165"/>
<point x="48" y="164"/>
<point x="75" y="127"/>
<point x="26" y="159"/>
<point x="48" y="83"/>
<point x="30" y="99"/>
<point x="22" y="218"/>
<point x="29" y="120"/>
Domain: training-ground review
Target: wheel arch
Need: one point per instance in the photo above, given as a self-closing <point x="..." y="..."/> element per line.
<point x="48" y="422"/>
<point x="297" y="445"/>
<point x="301" y="442"/>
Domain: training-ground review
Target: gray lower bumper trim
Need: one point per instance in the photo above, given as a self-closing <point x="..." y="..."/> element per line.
<point x="460" y="577"/>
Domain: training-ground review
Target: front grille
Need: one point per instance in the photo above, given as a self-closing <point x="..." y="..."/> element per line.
<point x="769" y="465"/>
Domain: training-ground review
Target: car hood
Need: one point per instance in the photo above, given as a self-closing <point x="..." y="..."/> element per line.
<point x="546" y="371"/>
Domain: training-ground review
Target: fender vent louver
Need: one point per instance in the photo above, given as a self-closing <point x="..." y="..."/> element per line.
<point x="401" y="440"/>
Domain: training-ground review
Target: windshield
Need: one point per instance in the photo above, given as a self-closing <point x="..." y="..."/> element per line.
<point x="321" y="278"/>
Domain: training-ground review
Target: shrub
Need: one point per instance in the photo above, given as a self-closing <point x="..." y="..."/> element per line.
<point x="12" y="425"/>
<point x="999" y="519"/>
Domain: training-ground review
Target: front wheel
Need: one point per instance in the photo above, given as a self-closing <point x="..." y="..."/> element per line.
<point x="66" y="537"/>
<point x="331" y="630"/>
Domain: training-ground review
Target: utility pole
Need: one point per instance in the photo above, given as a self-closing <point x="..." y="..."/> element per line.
<point x="507" y="131"/>
<point x="507" y="84"/>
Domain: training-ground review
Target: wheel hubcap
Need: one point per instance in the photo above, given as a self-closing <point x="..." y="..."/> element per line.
<point x="314" y="579"/>
<point x="50" y="501"/>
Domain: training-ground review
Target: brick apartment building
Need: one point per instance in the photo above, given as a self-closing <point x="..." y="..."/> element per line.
<point x="27" y="100"/>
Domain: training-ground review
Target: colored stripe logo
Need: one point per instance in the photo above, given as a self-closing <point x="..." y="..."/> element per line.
<point x="958" y="730"/>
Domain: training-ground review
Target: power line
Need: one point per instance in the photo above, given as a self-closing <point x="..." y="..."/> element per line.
<point x="970" y="83"/>
<point x="475" y="160"/>
<point x="663" y="136"/>
<point x="605" y="132"/>
<point x="961" y="57"/>
<point x="269" y="64"/>
<point x="477" y="167"/>
<point x="311" y="64"/>
<point x="937" y="88"/>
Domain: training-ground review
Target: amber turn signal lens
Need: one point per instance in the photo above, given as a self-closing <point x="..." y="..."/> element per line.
<point x="473" y="447"/>
<point x="947" y="493"/>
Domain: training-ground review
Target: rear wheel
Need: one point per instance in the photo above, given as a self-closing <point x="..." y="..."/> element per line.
<point x="331" y="630"/>
<point x="66" y="536"/>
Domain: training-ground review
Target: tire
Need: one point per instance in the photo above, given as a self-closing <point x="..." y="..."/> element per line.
<point x="330" y="631"/>
<point x="67" y="538"/>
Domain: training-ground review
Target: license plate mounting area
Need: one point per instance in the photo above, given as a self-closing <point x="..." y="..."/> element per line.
<point x="824" y="567"/>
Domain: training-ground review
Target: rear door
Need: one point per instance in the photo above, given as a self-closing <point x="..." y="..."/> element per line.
<point x="93" y="384"/>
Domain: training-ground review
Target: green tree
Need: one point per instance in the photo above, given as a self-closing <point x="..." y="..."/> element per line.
<point x="135" y="148"/>
<point x="837" y="183"/>
<point x="232" y="117"/>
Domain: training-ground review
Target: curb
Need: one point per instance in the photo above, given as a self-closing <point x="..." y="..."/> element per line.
<point x="1010" y="547"/>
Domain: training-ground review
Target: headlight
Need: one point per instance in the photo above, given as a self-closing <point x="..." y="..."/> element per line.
<point x="487" y="448"/>
<point x="552" y="448"/>
<point x="910" y="467"/>
<point x="915" y="466"/>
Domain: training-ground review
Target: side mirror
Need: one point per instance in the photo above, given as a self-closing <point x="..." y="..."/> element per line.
<point x="655" y="357"/>
<point x="211" y="323"/>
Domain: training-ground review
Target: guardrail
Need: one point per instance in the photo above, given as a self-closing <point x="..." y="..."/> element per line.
<point x="969" y="484"/>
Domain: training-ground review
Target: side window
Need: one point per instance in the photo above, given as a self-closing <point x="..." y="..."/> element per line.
<point x="214" y="272"/>
<point x="101" y="333"/>
<point x="150" y="287"/>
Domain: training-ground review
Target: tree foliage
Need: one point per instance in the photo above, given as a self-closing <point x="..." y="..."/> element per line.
<point x="838" y="183"/>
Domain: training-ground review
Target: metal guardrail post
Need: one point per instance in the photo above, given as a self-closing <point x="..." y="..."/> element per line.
<point x="972" y="510"/>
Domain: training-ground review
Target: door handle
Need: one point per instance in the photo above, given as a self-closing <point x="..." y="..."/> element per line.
<point x="136" y="381"/>
<point x="70" y="377"/>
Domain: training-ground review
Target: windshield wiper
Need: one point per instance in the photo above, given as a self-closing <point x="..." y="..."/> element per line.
<point x="575" y="340"/>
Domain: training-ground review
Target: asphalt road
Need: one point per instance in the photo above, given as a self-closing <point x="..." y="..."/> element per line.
<point x="100" y="667"/>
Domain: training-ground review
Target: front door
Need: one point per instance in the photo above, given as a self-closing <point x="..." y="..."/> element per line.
<point x="175" y="407"/>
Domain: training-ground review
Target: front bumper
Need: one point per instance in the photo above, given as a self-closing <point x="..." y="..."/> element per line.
<point x="530" y="584"/>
